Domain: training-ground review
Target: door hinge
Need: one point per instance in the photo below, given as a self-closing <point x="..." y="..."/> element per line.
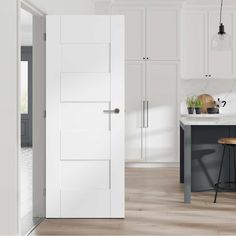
<point x="44" y="113"/>
<point x="45" y="36"/>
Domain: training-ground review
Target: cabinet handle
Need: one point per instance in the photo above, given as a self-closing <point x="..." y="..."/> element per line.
<point x="209" y="75"/>
<point x="144" y="104"/>
<point x="147" y="58"/>
<point x="109" y="174"/>
<point x="206" y="75"/>
<point x="143" y="58"/>
<point x="147" y="114"/>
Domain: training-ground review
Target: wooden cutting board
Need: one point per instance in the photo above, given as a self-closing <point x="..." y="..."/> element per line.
<point x="207" y="102"/>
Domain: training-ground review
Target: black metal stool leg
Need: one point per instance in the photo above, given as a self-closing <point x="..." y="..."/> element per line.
<point x="221" y="165"/>
<point x="234" y="168"/>
<point x="229" y="164"/>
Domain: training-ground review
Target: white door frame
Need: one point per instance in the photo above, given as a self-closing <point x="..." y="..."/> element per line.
<point x="38" y="136"/>
<point x="35" y="11"/>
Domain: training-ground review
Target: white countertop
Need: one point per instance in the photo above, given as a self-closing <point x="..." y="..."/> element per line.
<point x="206" y="119"/>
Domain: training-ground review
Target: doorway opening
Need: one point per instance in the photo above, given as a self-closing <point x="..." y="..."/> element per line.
<point x="26" y="163"/>
<point x="32" y="120"/>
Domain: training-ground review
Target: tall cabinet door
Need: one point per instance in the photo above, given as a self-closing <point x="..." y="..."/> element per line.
<point x="134" y="31"/>
<point x="161" y="127"/>
<point x="162" y="29"/>
<point x="194" y="48"/>
<point x="221" y="63"/>
<point x="134" y="93"/>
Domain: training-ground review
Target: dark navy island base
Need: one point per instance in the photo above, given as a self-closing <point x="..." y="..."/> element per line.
<point x="200" y="156"/>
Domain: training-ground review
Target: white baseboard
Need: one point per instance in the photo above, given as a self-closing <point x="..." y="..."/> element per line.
<point x="151" y="164"/>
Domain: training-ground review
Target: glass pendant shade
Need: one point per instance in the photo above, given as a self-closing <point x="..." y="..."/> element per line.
<point x="221" y="42"/>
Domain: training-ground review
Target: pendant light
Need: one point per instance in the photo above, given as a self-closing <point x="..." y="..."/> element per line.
<point x="221" y="41"/>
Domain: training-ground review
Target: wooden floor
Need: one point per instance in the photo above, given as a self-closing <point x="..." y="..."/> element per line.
<point x="154" y="206"/>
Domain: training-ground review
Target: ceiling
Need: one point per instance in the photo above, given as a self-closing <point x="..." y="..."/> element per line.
<point x="62" y="7"/>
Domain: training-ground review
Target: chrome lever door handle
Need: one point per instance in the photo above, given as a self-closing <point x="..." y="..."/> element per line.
<point x="115" y="111"/>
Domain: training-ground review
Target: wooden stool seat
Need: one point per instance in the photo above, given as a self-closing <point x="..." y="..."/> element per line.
<point x="230" y="144"/>
<point x="227" y="141"/>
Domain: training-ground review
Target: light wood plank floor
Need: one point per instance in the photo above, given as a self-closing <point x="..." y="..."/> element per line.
<point x="154" y="206"/>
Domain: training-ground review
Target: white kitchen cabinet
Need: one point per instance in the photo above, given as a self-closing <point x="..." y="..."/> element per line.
<point x="199" y="60"/>
<point x="134" y="93"/>
<point x="162" y="29"/>
<point x="152" y="33"/>
<point x="161" y="127"/>
<point x="134" y="31"/>
<point x="194" y="44"/>
<point x="152" y="49"/>
<point x="151" y="111"/>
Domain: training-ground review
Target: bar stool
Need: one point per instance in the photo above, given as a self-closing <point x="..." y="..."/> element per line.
<point x="229" y="143"/>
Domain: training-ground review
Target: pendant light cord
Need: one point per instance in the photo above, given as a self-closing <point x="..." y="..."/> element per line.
<point x="221" y="6"/>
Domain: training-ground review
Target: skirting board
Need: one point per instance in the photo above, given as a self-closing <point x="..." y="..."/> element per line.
<point x="151" y="164"/>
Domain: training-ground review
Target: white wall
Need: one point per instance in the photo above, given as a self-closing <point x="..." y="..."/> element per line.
<point x="8" y="118"/>
<point x="63" y="7"/>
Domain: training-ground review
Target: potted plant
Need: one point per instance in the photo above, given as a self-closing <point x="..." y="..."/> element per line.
<point x="198" y="106"/>
<point x="190" y="102"/>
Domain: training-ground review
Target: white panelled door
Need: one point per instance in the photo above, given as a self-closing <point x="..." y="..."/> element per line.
<point x="85" y="117"/>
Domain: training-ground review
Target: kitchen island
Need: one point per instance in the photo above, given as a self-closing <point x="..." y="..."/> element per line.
<point x="200" y="153"/>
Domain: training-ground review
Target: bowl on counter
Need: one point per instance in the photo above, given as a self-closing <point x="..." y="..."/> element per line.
<point x="213" y="110"/>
